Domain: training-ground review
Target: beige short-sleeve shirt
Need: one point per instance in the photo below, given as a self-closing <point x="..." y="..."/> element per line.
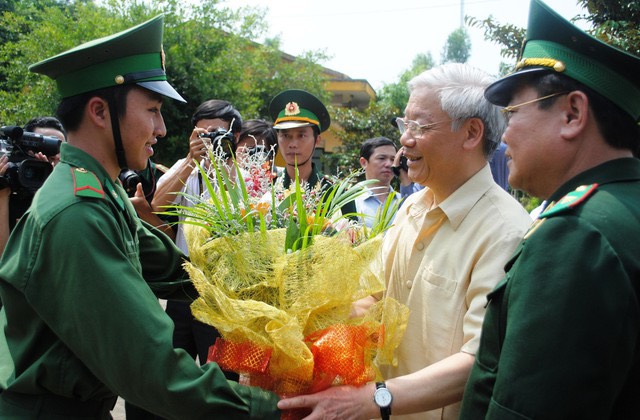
<point x="442" y="262"/>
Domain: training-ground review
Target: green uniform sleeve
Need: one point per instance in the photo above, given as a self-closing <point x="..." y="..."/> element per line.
<point x="162" y="265"/>
<point x="569" y="324"/>
<point x="91" y="294"/>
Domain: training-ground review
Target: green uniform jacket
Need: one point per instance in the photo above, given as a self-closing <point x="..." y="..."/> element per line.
<point x="78" y="279"/>
<point x="560" y="339"/>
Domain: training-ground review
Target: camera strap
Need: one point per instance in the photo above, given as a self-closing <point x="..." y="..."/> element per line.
<point x="3" y="182"/>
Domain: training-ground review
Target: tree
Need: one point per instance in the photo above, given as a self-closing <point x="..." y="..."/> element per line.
<point x="458" y="47"/>
<point x="396" y="95"/>
<point x="614" y="21"/>
<point x="209" y="55"/>
<point x="354" y="127"/>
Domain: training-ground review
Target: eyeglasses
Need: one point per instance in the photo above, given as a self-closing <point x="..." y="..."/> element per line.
<point x="415" y="129"/>
<point x="508" y="111"/>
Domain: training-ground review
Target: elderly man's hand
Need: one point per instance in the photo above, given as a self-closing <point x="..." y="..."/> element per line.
<point x="339" y="402"/>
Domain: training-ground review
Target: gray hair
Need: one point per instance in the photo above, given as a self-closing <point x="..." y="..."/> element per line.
<point x="460" y="89"/>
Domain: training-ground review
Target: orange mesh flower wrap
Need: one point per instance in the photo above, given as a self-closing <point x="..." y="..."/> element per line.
<point x="285" y="317"/>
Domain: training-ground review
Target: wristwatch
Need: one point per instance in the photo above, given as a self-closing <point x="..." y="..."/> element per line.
<point x="383" y="398"/>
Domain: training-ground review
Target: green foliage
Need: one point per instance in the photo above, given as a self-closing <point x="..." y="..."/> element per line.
<point x="396" y="95"/>
<point x="208" y="48"/>
<point x="458" y="47"/>
<point x="508" y="36"/>
<point x="356" y="127"/>
<point x="616" y="22"/>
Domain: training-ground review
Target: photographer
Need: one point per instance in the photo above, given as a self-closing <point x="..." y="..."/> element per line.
<point x="141" y="187"/>
<point x="16" y="198"/>
<point x="212" y="116"/>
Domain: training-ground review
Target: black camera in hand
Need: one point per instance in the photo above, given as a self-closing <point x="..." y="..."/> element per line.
<point x="222" y="142"/>
<point x="25" y="173"/>
<point x="130" y="180"/>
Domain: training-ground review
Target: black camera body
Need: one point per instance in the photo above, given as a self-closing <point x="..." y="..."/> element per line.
<point x="222" y="141"/>
<point x="130" y="180"/>
<point x="25" y="173"/>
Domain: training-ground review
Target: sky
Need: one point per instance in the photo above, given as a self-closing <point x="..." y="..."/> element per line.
<point x="377" y="40"/>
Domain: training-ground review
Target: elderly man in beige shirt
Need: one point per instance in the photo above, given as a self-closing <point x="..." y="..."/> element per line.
<point x="446" y="251"/>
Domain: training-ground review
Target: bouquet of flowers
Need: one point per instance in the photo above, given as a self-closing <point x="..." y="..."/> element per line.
<point x="277" y="271"/>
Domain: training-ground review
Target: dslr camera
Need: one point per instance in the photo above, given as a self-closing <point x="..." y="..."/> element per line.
<point x="222" y="141"/>
<point x="129" y="179"/>
<point x="25" y="173"/>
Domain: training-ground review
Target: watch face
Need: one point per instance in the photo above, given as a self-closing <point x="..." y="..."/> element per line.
<point x="382" y="397"/>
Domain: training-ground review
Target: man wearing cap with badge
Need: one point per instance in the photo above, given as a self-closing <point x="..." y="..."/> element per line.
<point x="561" y="337"/>
<point x="84" y="326"/>
<point x="299" y="119"/>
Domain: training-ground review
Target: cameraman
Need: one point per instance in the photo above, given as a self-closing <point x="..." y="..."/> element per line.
<point x="141" y="187"/>
<point x="13" y="207"/>
<point x="47" y="126"/>
<point x="190" y="334"/>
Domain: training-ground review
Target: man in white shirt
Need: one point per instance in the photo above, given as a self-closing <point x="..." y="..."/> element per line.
<point x="184" y="177"/>
<point x="376" y="158"/>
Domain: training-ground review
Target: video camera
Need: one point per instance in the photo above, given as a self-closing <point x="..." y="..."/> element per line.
<point x="25" y="173"/>
<point x="221" y="140"/>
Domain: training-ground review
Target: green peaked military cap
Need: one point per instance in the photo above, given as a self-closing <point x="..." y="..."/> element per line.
<point x="298" y="108"/>
<point x="553" y="44"/>
<point x="134" y="55"/>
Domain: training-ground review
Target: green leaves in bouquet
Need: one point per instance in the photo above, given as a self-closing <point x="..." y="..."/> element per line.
<point x="222" y="214"/>
<point x="302" y="229"/>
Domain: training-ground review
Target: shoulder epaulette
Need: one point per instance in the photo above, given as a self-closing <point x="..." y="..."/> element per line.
<point x="570" y="201"/>
<point x="86" y="184"/>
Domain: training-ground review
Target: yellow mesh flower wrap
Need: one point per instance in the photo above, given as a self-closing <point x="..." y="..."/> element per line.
<point x="285" y="318"/>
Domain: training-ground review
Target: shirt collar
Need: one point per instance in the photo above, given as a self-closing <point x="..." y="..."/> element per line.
<point x="459" y="204"/>
<point x="80" y="159"/>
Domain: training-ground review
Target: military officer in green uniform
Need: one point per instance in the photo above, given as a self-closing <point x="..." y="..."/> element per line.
<point x="78" y="276"/>
<point x="561" y="336"/>
<point x="299" y="119"/>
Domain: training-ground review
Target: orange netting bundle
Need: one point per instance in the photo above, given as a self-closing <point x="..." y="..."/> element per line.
<point x="285" y="317"/>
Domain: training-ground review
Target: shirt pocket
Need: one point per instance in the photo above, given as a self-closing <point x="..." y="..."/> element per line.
<point x="437" y="282"/>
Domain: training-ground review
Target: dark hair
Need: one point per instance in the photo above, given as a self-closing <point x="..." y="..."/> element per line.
<point x="260" y="129"/>
<point x="216" y="108"/>
<point x="70" y="110"/>
<point x="45" y="122"/>
<point x="370" y="145"/>
<point x="616" y="126"/>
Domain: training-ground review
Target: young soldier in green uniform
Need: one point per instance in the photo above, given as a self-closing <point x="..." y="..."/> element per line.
<point x="78" y="274"/>
<point x="561" y="337"/>
<point x="299" y="119"/>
